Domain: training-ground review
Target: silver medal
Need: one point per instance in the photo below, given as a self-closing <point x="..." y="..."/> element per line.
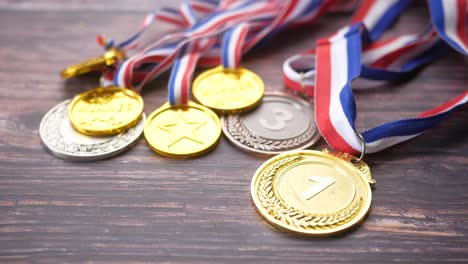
<point x="280" y="123"/>
<point x="62" y="140"/>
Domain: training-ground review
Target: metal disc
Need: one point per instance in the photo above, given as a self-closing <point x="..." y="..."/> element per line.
<point x="309" y="192"/>
<point x="182" y="131"/>
<point x="228" y="91"/>
<point x="105" y="111"/>
<point x="280" y="123"/>
<point x="63" y="141"/>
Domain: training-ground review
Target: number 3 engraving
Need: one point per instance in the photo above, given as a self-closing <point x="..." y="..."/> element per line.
<point x="321" y="183"/>
<point x="281" y="117"/>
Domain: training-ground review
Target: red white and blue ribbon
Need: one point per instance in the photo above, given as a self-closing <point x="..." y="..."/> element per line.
<point x="450" y="20"/>
<point x="299" y="70"/>
<point x="182" y="71"/>
<point x="388" y="60"/>
<point x="338" y="63"/>
<point x="178" y="17"/>
<point x="210" y="25"/>
<point x="328" y="70"/>
<point x="239" y="38"/>
<point x="378" y="15"/>
<point x="232" y="43"/>
<point x="180" y="80"/>
<point x="182" y="17"/>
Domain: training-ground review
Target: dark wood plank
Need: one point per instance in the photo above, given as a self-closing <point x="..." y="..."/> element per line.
<point x="140" y="207"/>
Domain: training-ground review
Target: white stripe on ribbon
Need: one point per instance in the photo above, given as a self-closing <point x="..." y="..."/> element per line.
<point x="375" y="12"/>
<point x="384" y="143"/>
<point x="450" y="22"/>
<point x="371" y="55"/>
<point x="338" y="79"/>
<point x="300" y="61"/>
<point x="232" y="46"/>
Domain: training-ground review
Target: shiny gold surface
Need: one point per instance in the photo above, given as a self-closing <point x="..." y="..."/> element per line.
<point x="228" y="91"/>
<point x="105" y="111"/>
<point x="109" y="58"/>
<point x="312" y="193"/>
<point x="182" y="132"/>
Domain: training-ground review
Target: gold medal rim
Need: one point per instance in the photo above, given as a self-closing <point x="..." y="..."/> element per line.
<point x="191" y="104"/>
<point x="234" y="110"/>
<point x="105" y="132"/>
<point x="276" y="224"/>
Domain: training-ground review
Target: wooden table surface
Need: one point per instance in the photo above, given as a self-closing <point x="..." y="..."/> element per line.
<point x="140" y="207"/>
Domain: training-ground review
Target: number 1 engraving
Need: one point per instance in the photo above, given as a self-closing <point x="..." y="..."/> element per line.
<point x="321" y="183"/>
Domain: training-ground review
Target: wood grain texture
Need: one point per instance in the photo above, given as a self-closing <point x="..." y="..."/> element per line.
<point x="141" y="208"/>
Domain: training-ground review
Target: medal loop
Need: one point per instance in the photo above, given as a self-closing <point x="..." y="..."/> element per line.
<point x="363" y="150"/>
<point x="303" y="87"/>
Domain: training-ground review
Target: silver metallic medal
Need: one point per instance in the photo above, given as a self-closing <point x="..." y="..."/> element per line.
<point x="280" y="123"/>
<point x="63" y="141"/>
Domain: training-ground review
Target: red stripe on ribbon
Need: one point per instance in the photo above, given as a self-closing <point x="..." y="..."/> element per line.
<point x="462" y="21"/>
<point x="443" y="107"/>
<point x="362" y="11"/>
<point x="323" y="97"/>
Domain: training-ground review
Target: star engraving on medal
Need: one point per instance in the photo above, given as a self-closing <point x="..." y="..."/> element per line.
<point x="183" y="129"/>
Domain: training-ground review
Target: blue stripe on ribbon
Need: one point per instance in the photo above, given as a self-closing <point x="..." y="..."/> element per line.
<point x="116" y="75"/>
<point x="380" y="74"/>
<point x="404" y="127"/>
<point x="210" y="17"/>
<point x="225" y="47"/>
<point x="312" y="5"/>
<point x="172" y="79"/>
<point x="131" y="39"/>
<point x="438" y="20"/>
<point x="353" y="39"/>
<point x="387" y="19"/>
<point x="426" y="57"/>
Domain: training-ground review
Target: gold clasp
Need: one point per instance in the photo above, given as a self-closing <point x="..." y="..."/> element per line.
<point x="110" y="57"/>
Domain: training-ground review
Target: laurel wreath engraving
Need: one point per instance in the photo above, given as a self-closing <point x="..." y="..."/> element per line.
<point x="291" y="216"/>
<point x="240" y="133"/>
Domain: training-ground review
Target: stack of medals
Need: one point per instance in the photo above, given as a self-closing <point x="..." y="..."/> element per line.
<point x="301" y="191"/>
<point x="182" y="128"/>
<point x="105" y="121"/>
<point x="97" y="124"/>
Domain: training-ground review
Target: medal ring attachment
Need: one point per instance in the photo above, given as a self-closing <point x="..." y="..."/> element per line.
<point x="363" y="150"/>
<point x="303" y="87"/>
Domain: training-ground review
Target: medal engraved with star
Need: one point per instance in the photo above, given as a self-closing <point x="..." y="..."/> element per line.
<point x="182" y="131"/>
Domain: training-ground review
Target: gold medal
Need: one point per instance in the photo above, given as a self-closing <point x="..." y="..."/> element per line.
<point x="109" y="58"/>
<point x="182" y="131"/>
<point x="105" y="111"/>
<point x="312" y="193"/>
<point x="228" y="90"/>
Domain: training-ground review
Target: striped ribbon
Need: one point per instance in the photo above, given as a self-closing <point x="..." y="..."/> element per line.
<point x="238" y="39"/>
<point x="450" y="20"/>
<point x="347" y="54"/>
<point x="338" y="63"/>
<point x="213" y="24"/>
<point x="181" y="17"/>
<point x="389" y="59"/>
<point x="158" y="57"/>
